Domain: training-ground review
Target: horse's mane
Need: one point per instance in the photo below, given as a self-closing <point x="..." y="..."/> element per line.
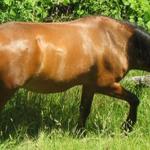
<point x="141" y="31"/>
<point x="141" y="39"/>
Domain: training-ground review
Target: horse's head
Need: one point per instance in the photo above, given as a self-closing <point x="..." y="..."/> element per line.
<point x="140" y="50"/>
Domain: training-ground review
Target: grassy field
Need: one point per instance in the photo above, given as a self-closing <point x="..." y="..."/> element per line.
<point x="47" y="122"/>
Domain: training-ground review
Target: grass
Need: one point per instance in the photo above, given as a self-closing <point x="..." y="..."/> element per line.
<point x="63" y="141"/>
<point x="43" y="122"/>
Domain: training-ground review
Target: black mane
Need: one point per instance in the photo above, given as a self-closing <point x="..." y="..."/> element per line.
<point x="142" y="40"/>
<point x="139" y="29"/>
<point x="140" y="47"/>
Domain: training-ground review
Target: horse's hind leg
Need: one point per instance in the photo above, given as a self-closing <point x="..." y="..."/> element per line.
<point x="116" y="90"/>
<point x="85" y="106"/>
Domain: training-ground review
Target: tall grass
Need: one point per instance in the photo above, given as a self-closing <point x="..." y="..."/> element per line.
<point x="37" y="121"/>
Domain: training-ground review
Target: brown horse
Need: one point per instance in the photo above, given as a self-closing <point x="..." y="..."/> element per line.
<point x="95" y="52"/>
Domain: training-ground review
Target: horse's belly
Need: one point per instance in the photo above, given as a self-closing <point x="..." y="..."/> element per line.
<point x="48" y="86"/>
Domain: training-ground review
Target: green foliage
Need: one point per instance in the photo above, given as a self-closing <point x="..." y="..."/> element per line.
<point x="138" y="11"/>
<point x="61" y="10"/>
<point x="26" y="10"/>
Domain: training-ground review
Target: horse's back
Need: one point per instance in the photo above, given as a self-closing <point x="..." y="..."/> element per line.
<point x="76" y="52"/>
<point x="54" y="52"/>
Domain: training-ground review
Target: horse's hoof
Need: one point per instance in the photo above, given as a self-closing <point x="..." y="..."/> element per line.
<point x="80" y="132"/>
<point x="127" y="127"/>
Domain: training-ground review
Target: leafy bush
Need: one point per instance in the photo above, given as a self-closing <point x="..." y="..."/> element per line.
<point x="26" y="10"/>
<point x="61" y="10"/>
<point x="138" y="11"/>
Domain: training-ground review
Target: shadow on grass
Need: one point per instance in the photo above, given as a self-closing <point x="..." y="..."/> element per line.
<point x="27" y="113"/>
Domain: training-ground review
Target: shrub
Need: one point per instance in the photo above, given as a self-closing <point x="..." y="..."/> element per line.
<point x="61" y="10"/>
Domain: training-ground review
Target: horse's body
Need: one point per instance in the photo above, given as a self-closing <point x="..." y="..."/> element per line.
<point x="95" y="52"/>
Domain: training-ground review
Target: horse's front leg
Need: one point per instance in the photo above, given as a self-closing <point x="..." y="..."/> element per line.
<point x="117" y="91"/>
<point x="85" y="106"/>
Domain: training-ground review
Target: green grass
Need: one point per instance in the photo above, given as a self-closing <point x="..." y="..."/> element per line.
<point x="43" y="122"/>
<point x="61" y="141"/>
